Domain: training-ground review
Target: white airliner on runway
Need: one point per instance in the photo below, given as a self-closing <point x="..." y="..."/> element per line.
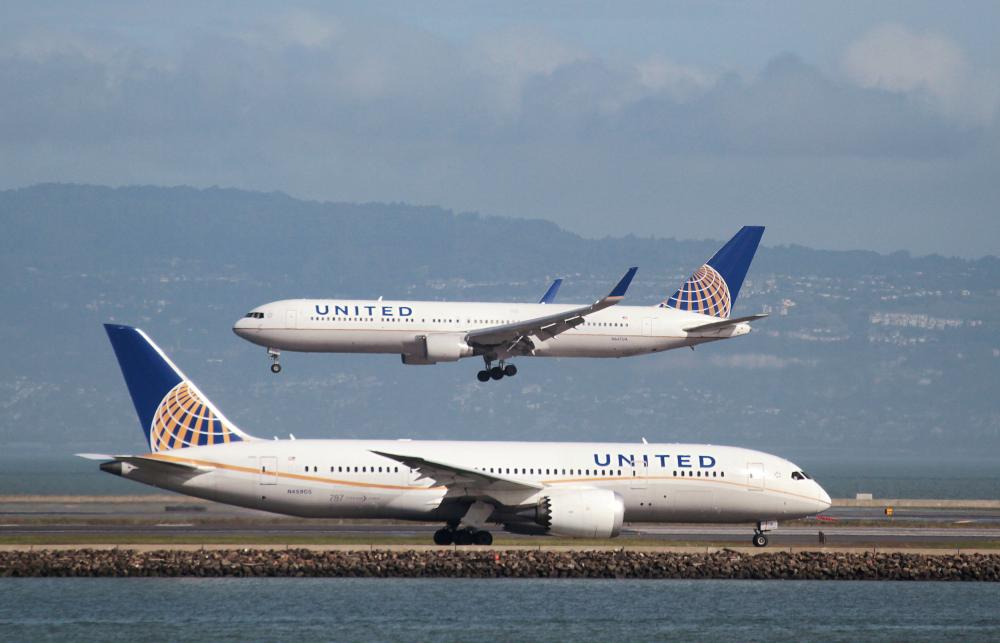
<point x="561" y="488"/>
<point x="428" y="332"/>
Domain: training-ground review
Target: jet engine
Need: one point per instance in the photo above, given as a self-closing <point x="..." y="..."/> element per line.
<point x="440" y="347"/>
<point x="588" y="513"/>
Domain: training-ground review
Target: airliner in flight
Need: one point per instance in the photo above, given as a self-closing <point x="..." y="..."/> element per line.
<point x="571" y="489"/>
<point x="428" y="332"/>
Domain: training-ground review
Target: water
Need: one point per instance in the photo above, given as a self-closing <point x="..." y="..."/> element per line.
<point x="473" y="609"/>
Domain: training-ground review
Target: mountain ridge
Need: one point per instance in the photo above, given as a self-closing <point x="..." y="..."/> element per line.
<point x="863" y="351"/>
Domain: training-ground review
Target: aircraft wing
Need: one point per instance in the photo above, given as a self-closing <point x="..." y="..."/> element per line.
<point x="725" y="323"/>
<point x="547" y="326"/>
<point x="550" y="294"/>
<point x="451" y="475"/>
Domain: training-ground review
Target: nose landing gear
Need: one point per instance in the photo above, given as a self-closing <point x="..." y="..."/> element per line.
<point x="275" y="355"/>
<point x="495" y="372"/>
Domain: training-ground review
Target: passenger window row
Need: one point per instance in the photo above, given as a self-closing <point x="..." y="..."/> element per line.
<point x="698" y="474"/>
<point x="363" y="319"/>
<point x="797" y="475"/>
<point x="538" y="471"/>
<point x="360" y="469"/>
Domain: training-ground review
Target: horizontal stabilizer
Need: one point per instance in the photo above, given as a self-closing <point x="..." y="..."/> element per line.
<point x="151" y="462"/>
<point x="94" y="456"/>
<point x="166" y="464"/>
<point x="725" y="323"/>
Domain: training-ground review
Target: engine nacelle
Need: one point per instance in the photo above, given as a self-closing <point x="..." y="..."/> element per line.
<point x="588" y="513"/>
<point x="446" y="347"/>
<point x="419" y="360"/>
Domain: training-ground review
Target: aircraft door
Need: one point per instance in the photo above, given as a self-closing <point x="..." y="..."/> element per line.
<point x="755" y="476"/>
<point x="291" y="318"/>
<point x="267" y="472"/>
<point x="647" y="327"/>
<point x="639" y="471"/>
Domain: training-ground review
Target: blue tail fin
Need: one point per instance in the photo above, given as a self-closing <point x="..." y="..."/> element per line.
<point x="550" y="294"/>
<point x="173" y="413"/>
<point x="713" y="288"/>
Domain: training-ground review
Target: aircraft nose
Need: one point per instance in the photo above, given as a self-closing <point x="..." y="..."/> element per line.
<point x="824" y="499"/>
<point x="242" y="327"/>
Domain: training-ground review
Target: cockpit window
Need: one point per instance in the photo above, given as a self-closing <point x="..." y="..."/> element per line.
<point x="800" y="475"/>
<point x="255" y="315"/>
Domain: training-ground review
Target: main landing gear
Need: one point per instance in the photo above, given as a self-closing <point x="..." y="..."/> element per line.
<point x="496" y="372"/>
<point x="275" y="355"/>
<point x="759" y="537"/>
<point x="468" y="536"/>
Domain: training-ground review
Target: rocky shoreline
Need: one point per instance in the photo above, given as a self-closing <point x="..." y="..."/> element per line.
<point x="725" y="564"/>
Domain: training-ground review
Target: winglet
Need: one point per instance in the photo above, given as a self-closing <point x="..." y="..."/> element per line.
<point x="619" y="290"/>
<point x="550" y="294"/>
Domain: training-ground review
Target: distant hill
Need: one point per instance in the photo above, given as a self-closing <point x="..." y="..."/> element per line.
<point x="863" y="353"/>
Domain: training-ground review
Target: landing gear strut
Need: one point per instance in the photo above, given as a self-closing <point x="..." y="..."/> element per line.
<point x="495" y="372"/>
<point x="759" y="538"/>
<point x="275" y="355"/>
<point x="468" y="536"/>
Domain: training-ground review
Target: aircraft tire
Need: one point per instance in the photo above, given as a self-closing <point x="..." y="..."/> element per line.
<point x="483" y="538"/>
<point x="463" y="537"/>
<point x="496" y="373"/>
<point x="275" y="368"/>
<point x="483" y="376"/>
<point x="444" y="537"/>
<point x="759" y="540"/>
<point x="510" y="370"/>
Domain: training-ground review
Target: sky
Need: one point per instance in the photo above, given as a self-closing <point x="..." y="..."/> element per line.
<point x="840" y="125"/>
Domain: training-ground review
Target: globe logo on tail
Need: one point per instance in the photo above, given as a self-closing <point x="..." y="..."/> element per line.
<point x="183" y="419"/>
<point x="705" y="292"/>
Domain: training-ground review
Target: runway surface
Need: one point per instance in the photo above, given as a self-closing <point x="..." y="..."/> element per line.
<point x="147" y="519"/>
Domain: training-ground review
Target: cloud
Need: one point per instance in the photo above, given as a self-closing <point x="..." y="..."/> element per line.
<point x="897" y="59"/>
<point x="517" y="122"/>
<point x="322" y="77"/>
<point x="660" y="74"/>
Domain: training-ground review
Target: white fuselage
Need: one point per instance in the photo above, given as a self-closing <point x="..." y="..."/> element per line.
<point x="345" y="479"/>
<point x="356" y="326"/>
